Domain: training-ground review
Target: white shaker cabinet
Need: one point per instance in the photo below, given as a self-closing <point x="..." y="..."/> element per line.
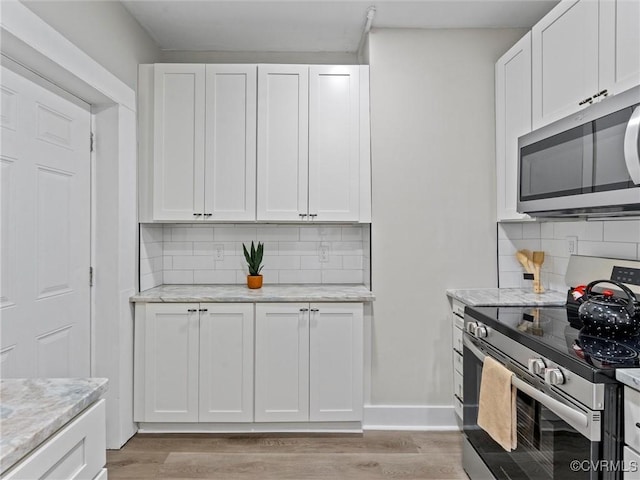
<point x="513" y="119"/>
<point x="313" y="143"/>
<point x="194" y="362"/>
<point x="581" y="49"/>
<point x="309" y="362"/>
<point x="178" y="141"/>
<point x="197" y="142"/>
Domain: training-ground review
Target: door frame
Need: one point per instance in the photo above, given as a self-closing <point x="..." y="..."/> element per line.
<point x="34" y="44"/>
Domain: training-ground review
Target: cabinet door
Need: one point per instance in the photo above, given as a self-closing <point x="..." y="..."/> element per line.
<point x="230" y="143"/>
<point x="335" y="362"/>
<point x="564" y="59"/>
<point x="283" y="131"/>
<point x="171" y="362"/>
<point x="226" y="362"/>
<point x="513" y="119"/>
<point x="619" y="45"/>
<point x="334" y="143"/>
<point x="178" y="165"/>
<point x="282" y="362"/>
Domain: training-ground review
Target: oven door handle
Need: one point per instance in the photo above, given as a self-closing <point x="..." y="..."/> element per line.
<point x="576" y="418"/>
<point x="631" y="153"/>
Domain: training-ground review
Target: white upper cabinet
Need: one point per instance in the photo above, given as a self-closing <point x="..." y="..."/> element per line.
<point x="581" y="49"/>
<point x="178" y="141"/>
<point x="313" y="143"/>
<point x="513" y="119"/>
<point x="283" y="130"/>
<point x="230" y="143"/>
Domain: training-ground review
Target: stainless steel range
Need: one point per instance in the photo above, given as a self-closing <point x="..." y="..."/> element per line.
<point x="569" y="405"/>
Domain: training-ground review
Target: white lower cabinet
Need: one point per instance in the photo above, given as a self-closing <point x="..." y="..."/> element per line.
<point x="77" y="451"/>
<point x="309" y="362"/>
<point x="199" y="362"/>
<point x="193" y="362"/>
<point x="631" y="434"/>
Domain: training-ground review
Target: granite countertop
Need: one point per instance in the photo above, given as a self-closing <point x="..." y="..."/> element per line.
<point x="33" y="409"/>
<point x="629" y="376"/>
<point x="507" y="297"/>
<point x="268" y="293"/>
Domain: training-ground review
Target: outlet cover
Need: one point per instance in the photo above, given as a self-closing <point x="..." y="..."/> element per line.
<point x="218" y="251"/>
<point x="572" y="245"/>
<point x="323" y="253"/>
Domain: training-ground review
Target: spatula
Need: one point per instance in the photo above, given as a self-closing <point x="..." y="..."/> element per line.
<point x="538" y="260"/>
<point x="523" y="257"/>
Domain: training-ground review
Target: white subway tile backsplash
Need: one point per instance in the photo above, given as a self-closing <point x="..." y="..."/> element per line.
<point x="530" y="230"/>
<point x="512" y="231"/>
<point x="608" y="249"/>
<point x="185" y="253"/>
<point x="546" y="230"/>
<point x="150" y="280"/>
<point x="509" y="263"/>
<point x="621" y="231"/>
<point x="510" y="279"/>
<point x="557" y="248"/>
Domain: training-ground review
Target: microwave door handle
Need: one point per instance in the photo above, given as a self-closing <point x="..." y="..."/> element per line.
<point x="631" y="153"/>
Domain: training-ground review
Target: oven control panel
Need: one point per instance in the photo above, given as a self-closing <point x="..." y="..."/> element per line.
<point x="628" y="275"/>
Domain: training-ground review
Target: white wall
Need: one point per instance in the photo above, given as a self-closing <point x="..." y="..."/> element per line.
<point x="598" y="238"/>
<point x="104" y="30"/>
<point x="322" y="58"/>
<point x="433" y="168"/>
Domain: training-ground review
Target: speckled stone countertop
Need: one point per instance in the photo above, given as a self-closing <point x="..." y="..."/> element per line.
<point x="629" y="376"/>
<point x="268" y="293"/>
<point x="507" y="297"/>
<point x="33" y="409"/>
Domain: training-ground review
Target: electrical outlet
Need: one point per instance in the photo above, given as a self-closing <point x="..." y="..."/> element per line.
<point x="218" y="251"/>
<point x="323" y="253"/>
<point x="572" y="245"/>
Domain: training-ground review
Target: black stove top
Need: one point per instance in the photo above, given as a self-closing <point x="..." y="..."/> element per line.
<point x="547" y="331"/>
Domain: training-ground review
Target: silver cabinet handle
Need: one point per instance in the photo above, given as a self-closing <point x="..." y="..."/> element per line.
<point x="631" y="153"/>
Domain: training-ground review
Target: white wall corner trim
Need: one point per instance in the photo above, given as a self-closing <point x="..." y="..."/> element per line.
<point x="33" y="43"/>
<point x="19" y="22"/>
<point x="410" y="417"/>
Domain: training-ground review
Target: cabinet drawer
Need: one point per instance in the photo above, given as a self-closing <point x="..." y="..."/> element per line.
<point x="457" y="362"/>
<point x="457" y="339"/>
<point x="631" y="418"/>
<point x="457" y="385"/>
<point x="457" y="407"/>
<point x="78" y="451"/>
<point x="631" y="464"/>
<point x="457" y="308"/>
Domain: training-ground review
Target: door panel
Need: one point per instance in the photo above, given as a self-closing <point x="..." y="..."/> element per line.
<point x="334" y="146"/>
<point x="45" y="232"/>
<point x="283" y="131"/>
<point x="230" y="166"/>
<point x="282" y="363"/>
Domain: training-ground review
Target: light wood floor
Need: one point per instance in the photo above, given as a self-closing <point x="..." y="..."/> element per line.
<point x="370" y="456"/>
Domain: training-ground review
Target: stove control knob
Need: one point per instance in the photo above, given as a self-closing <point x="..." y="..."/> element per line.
<point x="536" y="366"/>
<point x="553" y="376"/>
<point x="481" y="331"/>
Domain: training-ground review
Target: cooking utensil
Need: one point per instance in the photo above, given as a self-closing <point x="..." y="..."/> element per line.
<point x="538" y="260"/>
<point x="607" y="315"/>
<point x="523" y="257"/>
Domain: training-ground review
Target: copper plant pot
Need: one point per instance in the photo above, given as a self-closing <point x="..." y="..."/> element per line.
<point x="254" y="281"/>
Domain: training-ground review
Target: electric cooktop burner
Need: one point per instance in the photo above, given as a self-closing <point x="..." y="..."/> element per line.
<point x="547" y="331"/>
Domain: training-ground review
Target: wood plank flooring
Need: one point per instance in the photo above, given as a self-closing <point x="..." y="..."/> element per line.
<point x="370" y="456"/>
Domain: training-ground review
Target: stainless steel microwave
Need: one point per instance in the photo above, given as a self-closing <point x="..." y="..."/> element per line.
<point x="585" y="164"/>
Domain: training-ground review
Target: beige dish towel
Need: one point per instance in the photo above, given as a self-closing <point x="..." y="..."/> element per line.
<point x="497" y="405"/>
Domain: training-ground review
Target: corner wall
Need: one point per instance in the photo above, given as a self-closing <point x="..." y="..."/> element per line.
<point x="433" y="228"/>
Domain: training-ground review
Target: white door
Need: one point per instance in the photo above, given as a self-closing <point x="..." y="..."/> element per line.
<point x="619" y="45"/>
<point x="178" y="145"/>
<point x="282" y="362"/>
<point x="513" y="119"/>
<point x="171" y="362"/>
<point x="336" y="362"/>
<point x="230" y="142"/>
<point x="564" y="60"/>
<point x="45" y="293"/>
<point x="226" y="362"/>
<point x="283" y="136"/>
<point x="334" y="143"/>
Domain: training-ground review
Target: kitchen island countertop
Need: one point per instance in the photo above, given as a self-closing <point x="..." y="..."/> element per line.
<point x="268" y="293"/>
<point x="33" y="409"/>
<point x="507" y="297"/>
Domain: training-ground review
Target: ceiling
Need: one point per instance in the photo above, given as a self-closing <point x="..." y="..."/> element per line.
<point x="312" y="25"/>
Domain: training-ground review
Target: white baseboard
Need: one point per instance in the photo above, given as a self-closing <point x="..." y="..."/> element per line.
<point x="410" y="417"/>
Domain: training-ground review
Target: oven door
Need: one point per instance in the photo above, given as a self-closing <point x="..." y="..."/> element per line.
<point x="552" y="432"/>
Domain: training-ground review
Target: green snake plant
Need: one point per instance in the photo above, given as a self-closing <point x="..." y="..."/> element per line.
<point x="254" y="258"/>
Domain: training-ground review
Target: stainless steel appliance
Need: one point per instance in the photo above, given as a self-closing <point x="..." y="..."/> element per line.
<point x="569" y="405"/>
<point x="585" y="164"/>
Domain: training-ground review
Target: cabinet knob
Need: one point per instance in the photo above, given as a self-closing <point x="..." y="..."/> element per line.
<point x="638" y="424"/>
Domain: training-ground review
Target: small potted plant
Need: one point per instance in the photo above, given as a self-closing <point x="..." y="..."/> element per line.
<point x="254" y="262"/>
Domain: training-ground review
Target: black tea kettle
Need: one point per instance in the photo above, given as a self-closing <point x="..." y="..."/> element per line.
<point x="603" y="314"/>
